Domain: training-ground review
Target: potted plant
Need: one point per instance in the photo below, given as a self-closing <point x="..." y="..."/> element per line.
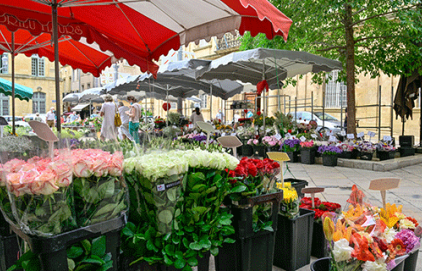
<point x="366" y="150"/>
<point x="329" y="155"/>
<point x="271" y="142"/>
<point x="291" y="147"/>
<point x="349" y="151"/>
<point x="259" y="148"/>
<point x="307" y="152"/>
<point x="385" y="151"/>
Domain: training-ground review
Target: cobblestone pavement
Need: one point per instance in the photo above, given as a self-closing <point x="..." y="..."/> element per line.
<point x="338" y="182"/>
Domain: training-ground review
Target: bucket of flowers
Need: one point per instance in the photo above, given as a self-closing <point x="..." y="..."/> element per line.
<point x="291" y="147"/>
<point x="385" y="151"/>
<point x="259" y="149"/>
<point x="272" y="143"/>
<point x="366" y="150"/>
<point x="160" y="123"/>
<point x="307" y="152"/>
<point x="329" y="154"/>
<point x="319" y="244"/>
<point x="366" y="237"/>
<point x="349" y="151"/>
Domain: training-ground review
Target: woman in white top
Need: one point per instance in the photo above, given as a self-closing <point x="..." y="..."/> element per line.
<point x="196" y="116"/>
<point x="108" y="111"/>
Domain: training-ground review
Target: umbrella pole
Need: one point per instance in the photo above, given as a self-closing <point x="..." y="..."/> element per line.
<point x="264" y="103"/>
<point x="167" y="97"/>
<point x="13" y="84"/>
<point x="90" y="108"/>
<point x="56" y="63"/>
<point x="211" y="102"/>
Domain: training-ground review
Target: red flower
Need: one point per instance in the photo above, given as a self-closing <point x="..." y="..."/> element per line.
<point x="399" y="247"/>
<point x="289" y="131"/>
<point x="232" y="173"/>
<point x="258" y="113"/>
<point x="381" y="244"/>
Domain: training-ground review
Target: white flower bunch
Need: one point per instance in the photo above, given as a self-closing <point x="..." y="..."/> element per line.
<point x="159" y="165"/>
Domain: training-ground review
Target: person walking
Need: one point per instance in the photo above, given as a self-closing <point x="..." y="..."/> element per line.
<point x="134" y="114"/>
<point x="37" y="117"/>
<point x="49" y="119"/>
<point x="108" y="111"/>
<point x="196" y="116"/>
<point x="124" y="128"/>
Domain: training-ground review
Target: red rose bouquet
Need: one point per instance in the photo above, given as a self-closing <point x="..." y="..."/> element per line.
<point x="321" y="207"/>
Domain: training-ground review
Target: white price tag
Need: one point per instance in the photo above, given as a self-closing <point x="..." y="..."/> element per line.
<point x="190" y="126"/>
<point x="233" y="134"/>
<point x="332" y="138"/>
<point x="314" y="136"/>
<point x="278" y="136"/>
<point x="329" y="133"/>
<point x="268" y="130"/>
<point x="161" y="187"/>
<point x="302" y="138"/>
<point x="343" y="133"/>
<point x="195" y="132"/>
<point x="202" y="134"/>
<point x="350" y="136"/>
<point x="371" y="134"/>
<point x="361" y="134"/>
<point x="386" y="138"/>
<point x="288" y="135"/>
<point x="223" y="134"/>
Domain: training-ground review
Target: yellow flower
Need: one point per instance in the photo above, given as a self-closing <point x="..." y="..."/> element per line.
<point x="289" y="195"/>
<point x="391" y="214"/>
<point x="328" y="227"/>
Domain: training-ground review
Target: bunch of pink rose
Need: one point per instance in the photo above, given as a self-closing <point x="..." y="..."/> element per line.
<point x="271" y="141"/>
<point x="253" y="142"/>
<point x="99" y="189"/>
<point x="40" y="194"/>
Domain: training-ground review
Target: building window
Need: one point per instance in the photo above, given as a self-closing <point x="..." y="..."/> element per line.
<point x="37" y="66"/>
<point x="335" y="92"/>
<point x="4" y="104"/>
<point x="82" y="87"/>
<point x="4" y="60"/>
<point x="38" y="103"/>
<point x="97" y="82"/>
<point x="204" y="100"/>
<point x="88" y="86"/>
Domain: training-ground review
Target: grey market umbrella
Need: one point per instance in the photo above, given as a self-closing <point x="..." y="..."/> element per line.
<point x="91" y="95"/>
<point x="253" y="66"/>
<point x="72" y="98"/>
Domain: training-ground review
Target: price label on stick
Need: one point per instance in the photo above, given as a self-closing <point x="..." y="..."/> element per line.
<point x="288" y="135"/>
<point x="350" y="136"/>
<point x="332" y="138"/>
<point x="314" y="136"/>
<point x="371" y="134"/>
<point x="302" y="138"/>
<point x="223" y="134"/>
<point x="233" y="134"/>
<point x="278" y="136"/>
<point x="190" y="126"/>
<point x="361" y="134"/>
<point x="268" y="130"/>
<point x="343" y="133"/>
<point x="387" y="138"/>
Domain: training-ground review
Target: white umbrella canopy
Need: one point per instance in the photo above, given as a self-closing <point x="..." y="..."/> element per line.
<point x="253" y="66"/>
<point x="91" y="95"/>
<point x="72" y="98"/>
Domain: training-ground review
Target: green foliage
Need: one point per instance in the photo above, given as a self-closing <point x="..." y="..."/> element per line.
<point x="386" y="33"/>
<point x="87" y="255"/>
<point x="180" y="224"/>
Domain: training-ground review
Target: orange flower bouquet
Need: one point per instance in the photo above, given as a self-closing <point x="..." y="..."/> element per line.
<point x="367" y="238"/>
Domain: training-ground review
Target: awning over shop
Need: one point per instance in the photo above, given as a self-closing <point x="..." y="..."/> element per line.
<point x="79" y="107"/>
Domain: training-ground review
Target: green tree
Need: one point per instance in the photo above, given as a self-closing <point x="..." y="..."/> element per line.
<point x="367" y="36"/>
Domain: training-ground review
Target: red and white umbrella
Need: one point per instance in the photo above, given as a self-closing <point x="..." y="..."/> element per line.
<point x="147" y="28"/>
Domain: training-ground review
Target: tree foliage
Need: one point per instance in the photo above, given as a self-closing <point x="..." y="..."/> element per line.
<point x="367" y="36"/>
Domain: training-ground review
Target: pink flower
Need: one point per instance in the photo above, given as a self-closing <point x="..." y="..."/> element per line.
<point x="14" y="165"/>
<point x="115" y="165"/>
<point x="45" y="183"/>
<point x="255" y="141"/>
<point x="64" y="173"/>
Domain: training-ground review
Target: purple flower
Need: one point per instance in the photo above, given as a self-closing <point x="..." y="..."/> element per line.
<point x="290" y="145"/>
<point x="329" y="150"/>
<point x="200" y="138"/>
<point x="410" y="240"/>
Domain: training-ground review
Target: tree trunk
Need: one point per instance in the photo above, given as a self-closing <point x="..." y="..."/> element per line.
<point x="350" y="70"/>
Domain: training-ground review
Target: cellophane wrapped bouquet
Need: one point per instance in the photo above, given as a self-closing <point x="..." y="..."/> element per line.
<point x="100" y="189"/>
<point x="289" y="206"/>
<point x="365" y="237"/>
<point x="40" y="190"/>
